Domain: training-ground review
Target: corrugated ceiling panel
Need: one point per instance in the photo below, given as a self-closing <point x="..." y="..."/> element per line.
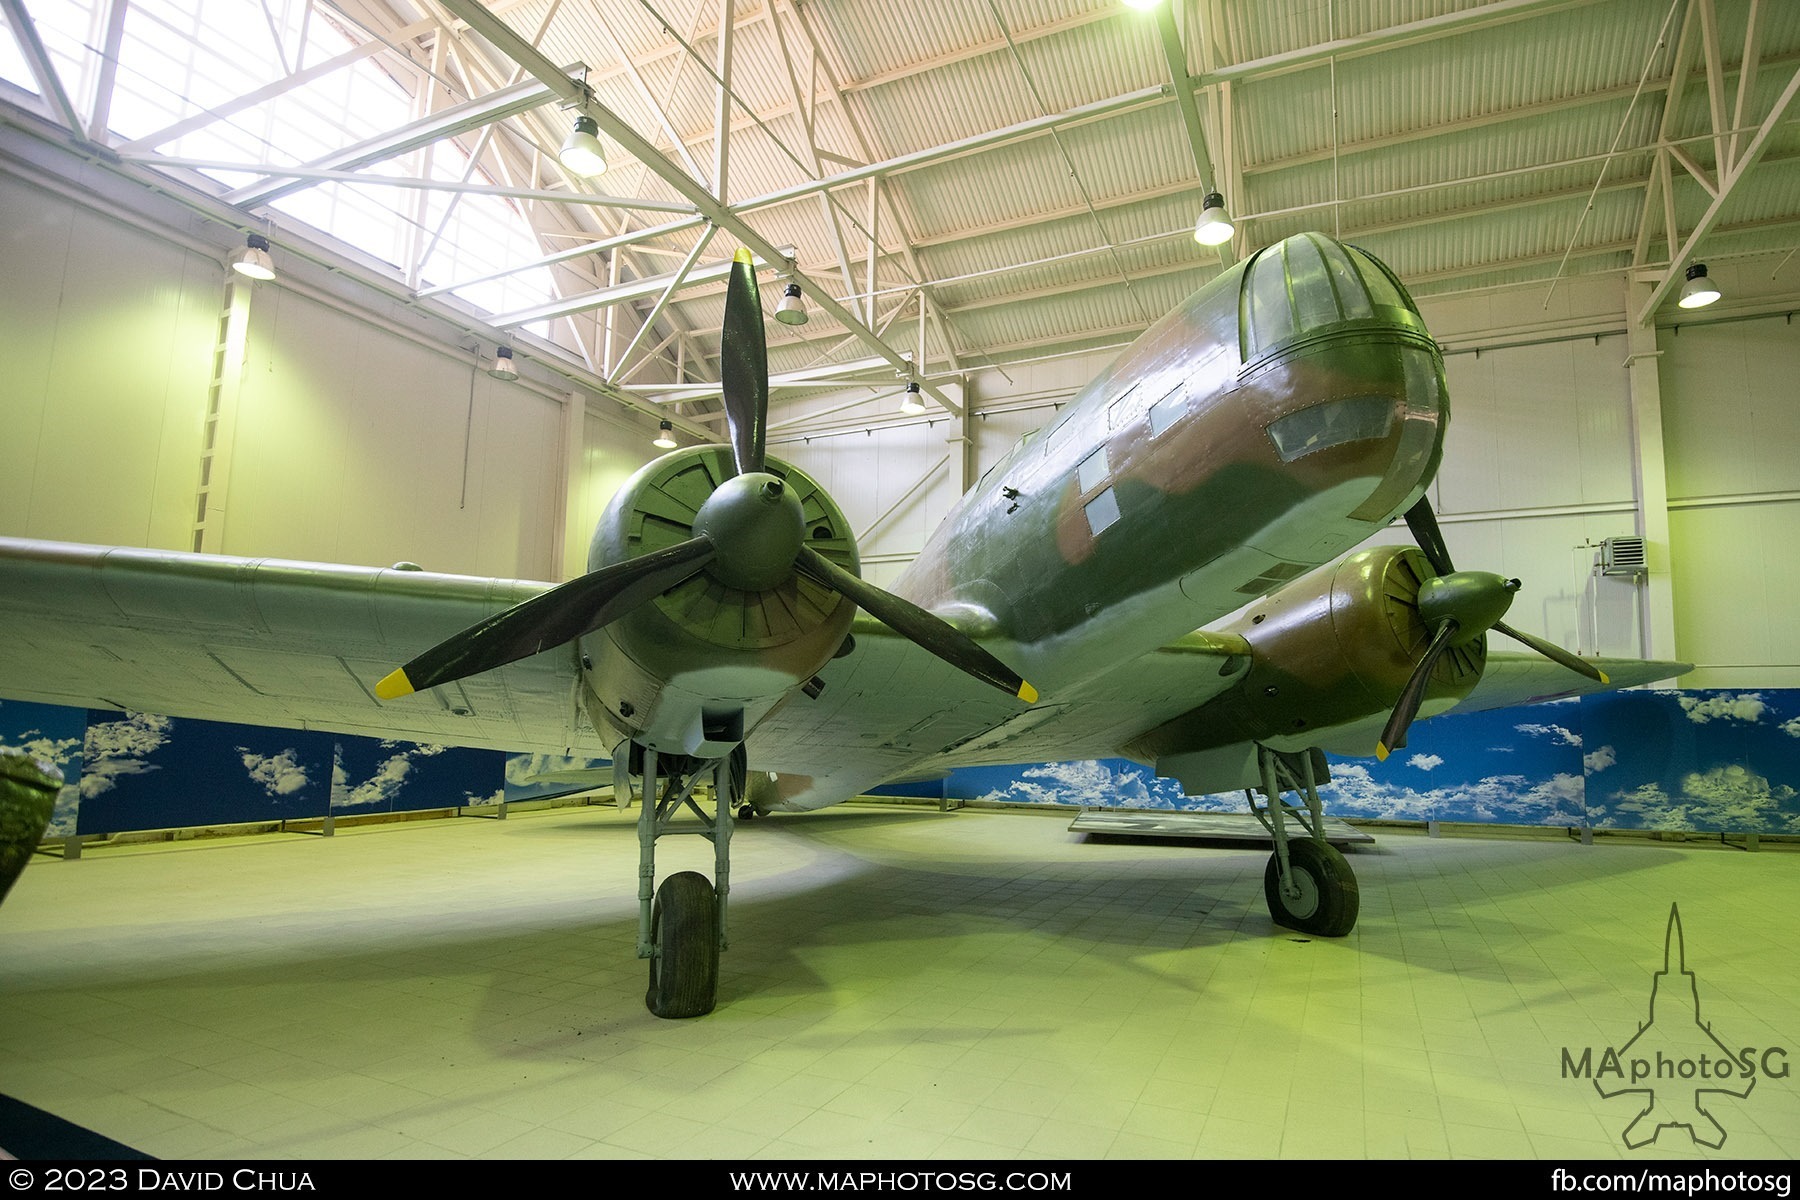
<point x="1466" y="158"/>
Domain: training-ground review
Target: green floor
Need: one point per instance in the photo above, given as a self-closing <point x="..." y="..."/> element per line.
<point x="901" y="984"/>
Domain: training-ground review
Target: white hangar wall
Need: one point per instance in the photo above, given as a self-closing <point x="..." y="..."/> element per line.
<point x="1731" y="419"/>
<point x="358" y="436"/>
<point x="108" y="334"/>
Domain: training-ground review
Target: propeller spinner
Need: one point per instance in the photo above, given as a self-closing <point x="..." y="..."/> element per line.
<point x="1458" y="607"/>
<point x="748" y="535"/>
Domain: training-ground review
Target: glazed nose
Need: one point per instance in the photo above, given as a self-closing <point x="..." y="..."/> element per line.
<point x="1312" y="303"/>
<point x="1309" y="287"/>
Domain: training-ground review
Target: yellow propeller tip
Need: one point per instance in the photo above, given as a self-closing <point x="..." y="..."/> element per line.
<point x="744" y="256"/>
<point x="1027" y="693"/>
<point x="1381" y="751"/>
<point x="1604" y="678"/>
<point x="394" y="685"/>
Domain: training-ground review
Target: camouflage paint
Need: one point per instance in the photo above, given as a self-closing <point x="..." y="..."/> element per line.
<point x="1323" y="657"/>
<point x="1021" y="557"/>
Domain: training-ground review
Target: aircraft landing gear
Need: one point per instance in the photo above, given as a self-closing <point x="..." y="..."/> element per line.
<point x="1308" y="884"/>
<point x="681" y="924"/>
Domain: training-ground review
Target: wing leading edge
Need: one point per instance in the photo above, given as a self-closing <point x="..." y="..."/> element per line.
<point x="269" y="642"/>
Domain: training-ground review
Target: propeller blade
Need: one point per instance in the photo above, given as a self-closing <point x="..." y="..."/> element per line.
<point x="559" y="615"/>
<point x="916" y="625"/>
<point x="1553" y="652"/>
<point x="1423" y="523"/>
<point x="744" y="366"/>
<point x="1393" y="737"/>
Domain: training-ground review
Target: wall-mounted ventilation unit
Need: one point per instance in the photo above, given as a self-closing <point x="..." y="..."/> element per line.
<point x="1623" y="556"/>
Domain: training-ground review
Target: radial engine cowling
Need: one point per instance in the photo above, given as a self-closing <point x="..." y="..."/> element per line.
<point x="693" y="670"/>
<point x="1329" y="655"/>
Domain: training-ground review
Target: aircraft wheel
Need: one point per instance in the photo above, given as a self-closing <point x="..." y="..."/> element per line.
<point x="684" y="930"/>
<point x="747" y="812"/>
<point x="1328" y="901"/>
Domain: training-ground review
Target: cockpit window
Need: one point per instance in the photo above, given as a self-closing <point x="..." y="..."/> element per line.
<point x="1381" y="286"/>
<point x="1315" y="299"/>
<point x="1333" y="423"/>
<point x="1309" y="281"/>
<point x="1351" y="292"/>
<point x="1268" y="317"/>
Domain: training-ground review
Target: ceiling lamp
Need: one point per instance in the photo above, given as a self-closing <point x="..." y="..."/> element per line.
<point x="1142" y="5"/>
<point x="792" y="309"/>
<point x="1214" y="227"/>
<point x="502" y="367"/>
<point x="665" y="435"/>
<point x="253" y="261"/>
<point x="581" y="149"/>
<point x="912" y="405"/>
<point x="1698" y="291"/>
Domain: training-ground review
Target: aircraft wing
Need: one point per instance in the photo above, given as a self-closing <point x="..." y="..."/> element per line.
<point x="1511" y="679"/>
<point x="300" y="645"/>
<point x="270" y="642"/>
<point x="890" y="711"/>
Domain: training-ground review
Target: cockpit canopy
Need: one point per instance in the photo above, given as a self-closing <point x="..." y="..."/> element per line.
<point x="1308" y="282"/>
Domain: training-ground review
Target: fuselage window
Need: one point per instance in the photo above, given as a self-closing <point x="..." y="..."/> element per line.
<point x="1101" y="511"/>
<point x="1119" y="412"/>
<point x="1092" y="472"/>
<point x="1167" y="411"/>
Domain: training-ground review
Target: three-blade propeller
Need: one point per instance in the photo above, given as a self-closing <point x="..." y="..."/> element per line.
<point x="1458" y="607"/>
<point x="746" y="537"/>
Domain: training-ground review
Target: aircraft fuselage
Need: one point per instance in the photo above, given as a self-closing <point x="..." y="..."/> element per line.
<point x="1290" y="409"/>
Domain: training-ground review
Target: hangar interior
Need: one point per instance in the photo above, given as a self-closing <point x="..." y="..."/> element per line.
<point x="990" y="200"/>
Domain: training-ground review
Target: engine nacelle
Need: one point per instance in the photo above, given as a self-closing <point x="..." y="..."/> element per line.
<point x="693" y="670"/>
<point x="1328" y="657"/>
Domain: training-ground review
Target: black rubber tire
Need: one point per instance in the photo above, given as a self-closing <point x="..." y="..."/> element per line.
<point x="684" y="930"/>
<point x="1329" y="902"/>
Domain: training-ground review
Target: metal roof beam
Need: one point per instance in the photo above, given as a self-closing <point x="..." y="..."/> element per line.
<point x="1428" y="29"/>
<point x="812" y="377"/>
<point x="522" y="52"/>
<point x="1728" y="181"/>
<point x="636" y="289"/>
<point x="662" y="302"/>
<point x="895" y="165"/>
<point x="50" y="86"/>
<point x="1175" y="56"/>
<point x="237" y="104"/>
<point x="1502" y="116"/>
<point x="448" y="122"/>
<point x="314" y="175"/>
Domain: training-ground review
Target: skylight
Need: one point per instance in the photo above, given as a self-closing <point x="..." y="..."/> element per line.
<point x="286" y="83"/>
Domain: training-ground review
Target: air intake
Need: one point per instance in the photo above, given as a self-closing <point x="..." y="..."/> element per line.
<point x="1623" y="556"/>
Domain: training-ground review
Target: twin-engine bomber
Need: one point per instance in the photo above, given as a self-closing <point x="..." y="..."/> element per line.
<point x="1163" y="563"/>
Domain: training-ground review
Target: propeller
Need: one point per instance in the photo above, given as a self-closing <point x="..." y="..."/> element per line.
<point x="560" y="615"/>
<point x="744" y="366"/>
<point x="749" y="535"/>
<point x="1458" y="607"/>
<point x="916" y="625"/>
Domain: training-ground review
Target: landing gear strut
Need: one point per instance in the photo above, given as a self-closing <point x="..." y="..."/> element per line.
<point x="1308" y="884"/>
<point x="681" y="925"/>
